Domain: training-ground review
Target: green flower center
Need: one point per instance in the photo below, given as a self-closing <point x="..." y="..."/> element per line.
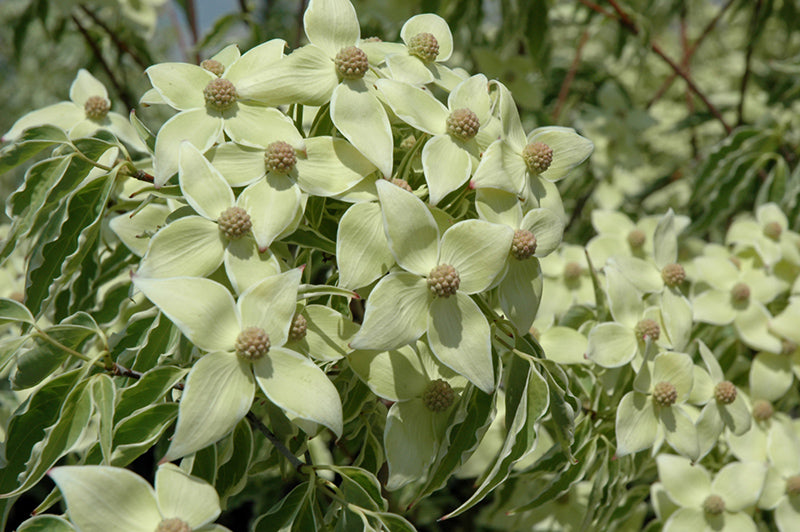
<point x="636" y="239"/>
<point x="213" y="66"/>
<point x="713" y="505"/>
<point x="523" y="245"/>
<point x="793" y="486"/>
<point x="762" y="410"/>
<point x="740" y="294"/>
<point x="673" y="275"/>
<point x="538" y="157"/>
<point x="438" y="396"/>
<point x="443" y="281"/>
<point x="425" y="46"/>
<point x="665" y="394"/>
<point x="773" y="230"/>
<point x="234" y="222"/>
<point x="252" y="343"/>
<point x="351" y="63"/>
<point x="647" y="328"/>
<point x="725" y="392"/>
<point x="173" y="524"/>
<point x="299" y="328"/>
<point x="96" y="107"/>
<point x="280" y="157"/>
<point x="463" y="124"/>
<point x="220" y="94"/>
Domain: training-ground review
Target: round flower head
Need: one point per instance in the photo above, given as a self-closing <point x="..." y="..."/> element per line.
<point x="463" y="124"/>
<point x="538" y="157"/>
<point x="438" y="396"/>
<point x="252" y="343"/>
<point x="572" y="271"/>
<point x="762" y="410"/>
<point x="714" y="505"/>
<point x="97" y="107"/>
<point x="443" y="281"/>
<point x="740" y="294"/>
<point x="647" y="328"/>
<point x="425" y="46"/>
<point x="299" y="328"/>
<point x="351" y="63"/>
<point x="773" y="230"/>
<point x="665" y="394"/>
<point x="673" y="274"/>
<point x="234" y="222"/>
<point x="636" y="239"/>
<point x="725" y="392"/>
<point x="213" y="66"/>
<point x="793" y="485"/>
<point x="220" y="94"/>
<point x="280" y="157"/>
<point x="524" y="244"/>
<point x="173" y="524"/>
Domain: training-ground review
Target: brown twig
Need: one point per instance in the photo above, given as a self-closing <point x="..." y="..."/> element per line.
<point x="751" y="44"/>
<point x="191" y="16"/>
<point x="573" y="69"/>
<point x="685" y="64"/>
<point x="626" y="22"/>
<point x="690" y="53"/>
<point x="118" y="87"/>
<point x="119" y="43"/>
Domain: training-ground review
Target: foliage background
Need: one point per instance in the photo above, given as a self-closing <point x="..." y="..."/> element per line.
<point x="577" y="63"/>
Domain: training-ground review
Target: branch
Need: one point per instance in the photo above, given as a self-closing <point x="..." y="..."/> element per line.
<point x="123" y="95"/>
<point x="120" y="44"/>
<point x="626" y="22"/>
<point x="301" y="8"/>
<point x="573" y="69"/>
<point x="296" y="463"/>
<point x="191" y="16"/>
<point x="751" y="44"/>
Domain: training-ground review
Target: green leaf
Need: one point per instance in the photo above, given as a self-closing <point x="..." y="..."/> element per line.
<point x="308" y="237"/>
<point x="43" y="358"/>
<point x="58" y="438"/>
<point x="31" y="142"/>
<point x="137" y="433"/>
<point x="45" y="523"/>
<point x="361" y="488"/>
<point x="12" y="311"/>
<point x="144" y="132"/>
<point x="149" y="389"/>
<point x="103" y="393"/>
<point x="392" y="522"/>
<point x="61" y="242"/>
<point x="281" y="516"/>
<point x="232" y="475"/>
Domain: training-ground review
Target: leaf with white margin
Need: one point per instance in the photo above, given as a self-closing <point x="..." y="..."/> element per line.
<point x="331" y="166"/>
<point x="99" y="495"/>
<point x="415" y="106"/>
<point x="478" y="251"/>
<point x="520" y="292"/>
<point x="624" y="300"/>
<point x="272" y="204"/>
<point x="686" y="484"/>
<point x="433" y="24"/>
<point x="770" y="376"/>
<point x="298" y="386"/>
<point x="740" y="484"/>
<point x="195" y="126"/>
<point x="218" y="393"/>
<point x="360" y="117"/>
<point x="245" y="266"/>
<point x="393" y="375"/>
<point x="180" y="84"/>
<point x="410" y="442"/>
<point x="45" y="523"/>
<point x="270" y="305"/>
<point x="327" y="334"/>
<point x="396" y="313"/>
<point x="460" y="338"/>
<point x="569" y="149"/>
<point x="202" y="309"/>
<point x="362" y="250"/>
<point x="665" y="241"/>
<point x="331" y="25"/>
<point x="410" y="229"/>
<point x="636" y="425"/>
<point x="611" y="345"/>
<point x="191" y="246"/>
<point x="181" y="495"/>
<point x="679" y="431"/>
<point x="447" y="166"/>
<point x="12" y="311"/>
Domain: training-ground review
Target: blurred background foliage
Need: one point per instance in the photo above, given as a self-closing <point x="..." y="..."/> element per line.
<point x="709" y="147"/>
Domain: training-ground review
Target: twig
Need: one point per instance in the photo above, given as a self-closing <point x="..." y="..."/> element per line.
<point x="625" y="21"/>
<point x="690" y="53"/>
<point x="120" y="44"/>
<point x="685" y="64"/>
<point x="573" y="69"/>
<point x="751" y="44"/>
<point x="191" y="16"/>
<point x="296" y="463"/>
<point x="123" y="95"/>
<point x="301" y="8"/>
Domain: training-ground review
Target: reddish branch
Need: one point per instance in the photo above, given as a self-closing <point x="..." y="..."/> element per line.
<point x="573" y="69"/>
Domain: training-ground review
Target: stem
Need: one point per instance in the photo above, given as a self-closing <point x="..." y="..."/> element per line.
<point x="121" y="45"/>
<point x="751" y="44"/>
<point x="123" y="95"/>
<point x="402" y="168"/>
<point x="573" y="69"/>
<point x="83" y="157"/>
<point x="296" y="463"/>
<point x="49" y="339"/>
<point x="191" y="17"/>
<point x="301" y="8"/>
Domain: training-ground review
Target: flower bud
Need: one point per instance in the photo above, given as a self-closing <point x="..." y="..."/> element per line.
<point x="665" y="394"/>
<point x="425" y="46"/>
<point x="740" y="294"/>
<point x="538" y="157"/>
<point x="280" y="157"/>
<point x="713" y="505"/>
<point x="725" y="392"/>
<point x="762" y="410"/>
<point x="647" y="328"/>
<point x="438" y="396"/>
<point x="213" y="66"/>
<point x="220" y="94"/>
<point x="299" y="327"/>
<point x="443" y="281"/>
<point x="351" y="63"/>
<point x="96" y="108"/>
<point x="252" y="343"/>
<point x="636" y="239"/>
<point x="673" y="274"/>
<point x="463" y="124"/>
<point x="234" y="222"/>
<point x="523" y="245"/>
<point x="773" y="230"/>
